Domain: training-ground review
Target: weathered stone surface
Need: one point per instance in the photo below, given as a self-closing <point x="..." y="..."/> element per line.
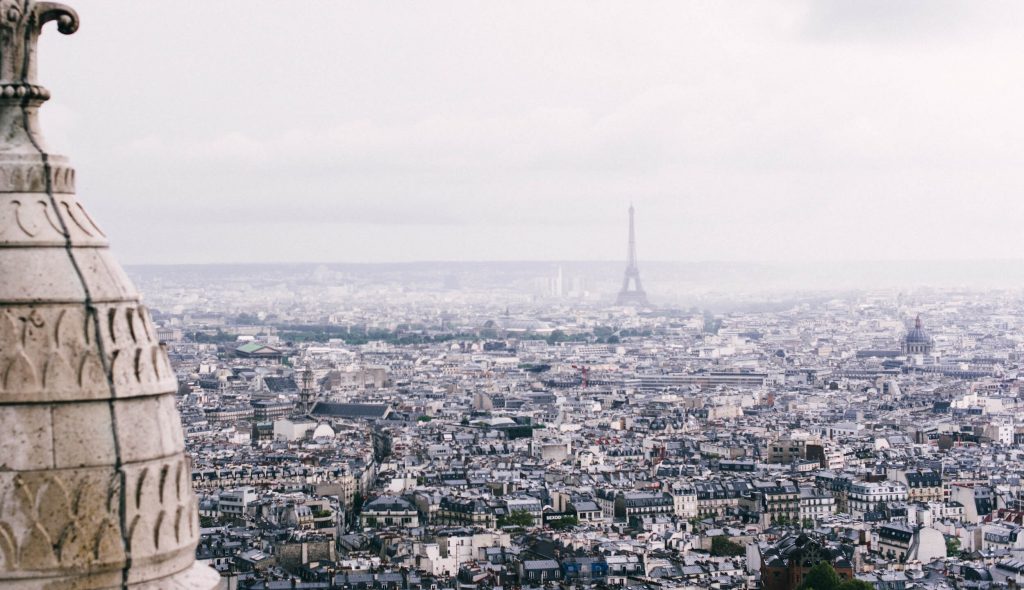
<point x="86" y="434"/>
<point x="95" y="489"/>
<point x="27" y="442"/>
<point x="51" y="353"/>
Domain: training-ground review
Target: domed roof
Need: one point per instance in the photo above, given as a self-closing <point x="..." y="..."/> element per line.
<point x="918" y="333"/>
<point x="323" y="431"/>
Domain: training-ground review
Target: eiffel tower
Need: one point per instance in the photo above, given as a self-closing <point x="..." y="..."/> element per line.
<point x="635" y="296"/>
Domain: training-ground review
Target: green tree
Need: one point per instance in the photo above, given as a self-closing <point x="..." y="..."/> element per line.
<point x="952" y="546"/>
<point x="855" y="585"/>
<point x="821" y="577"/>
<point x="516" y="518"/>
<point x="218" y="338"/>
<point x="247" y="319"/>
<point x="721" y="546"/>
<point x="357" y="502"/>
<point x="557" y="336"/>
<point x="566" y="522"/>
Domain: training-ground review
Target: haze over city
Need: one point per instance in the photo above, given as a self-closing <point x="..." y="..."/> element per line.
<point x="511" y="296"/>
<point x="368" y="132"/>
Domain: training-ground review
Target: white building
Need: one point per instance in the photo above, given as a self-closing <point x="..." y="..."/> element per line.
<point x="232" y="503"/>
<point x="866" y="496"/>
<point x="815" y="504"/>
<point x="684" y="500"/>
<point x="288" y="430"/>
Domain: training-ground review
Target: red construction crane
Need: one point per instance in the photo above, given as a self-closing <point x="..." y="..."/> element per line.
<point x="585" y="371"/>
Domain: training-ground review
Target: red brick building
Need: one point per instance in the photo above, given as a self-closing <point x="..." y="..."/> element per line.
<point x="784" y="564"/>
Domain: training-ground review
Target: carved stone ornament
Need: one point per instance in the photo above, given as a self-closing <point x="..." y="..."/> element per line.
<point x="95" y="488"/>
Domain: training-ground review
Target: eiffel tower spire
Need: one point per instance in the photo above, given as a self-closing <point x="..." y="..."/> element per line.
<point x="632" y="293"/>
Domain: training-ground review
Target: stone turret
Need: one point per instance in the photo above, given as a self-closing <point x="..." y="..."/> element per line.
<point x="95" y="488"/>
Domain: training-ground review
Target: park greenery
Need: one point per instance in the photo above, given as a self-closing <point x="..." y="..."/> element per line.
<point x="824" y="577"/>
<point x="952" y="546"/>
<point x="721" y="546"/>
<point x="404" y="335"/>
<point x="520" y="518"/>
<point x="566" y="522"/>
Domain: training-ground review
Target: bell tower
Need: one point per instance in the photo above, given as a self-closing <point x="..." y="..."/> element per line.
<point x="307" y="391"/>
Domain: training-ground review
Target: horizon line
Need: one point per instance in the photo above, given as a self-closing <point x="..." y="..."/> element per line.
<point x="588" y="261"/>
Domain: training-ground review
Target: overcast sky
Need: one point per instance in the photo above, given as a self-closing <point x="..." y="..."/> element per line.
<point x="257" y="131"/>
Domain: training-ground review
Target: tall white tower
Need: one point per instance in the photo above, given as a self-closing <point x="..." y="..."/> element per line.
<point x="632" y="293"/>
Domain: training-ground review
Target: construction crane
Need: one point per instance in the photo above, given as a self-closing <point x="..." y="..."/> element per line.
<point x="584" y="371"/>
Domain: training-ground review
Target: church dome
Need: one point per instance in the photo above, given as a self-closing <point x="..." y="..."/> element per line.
<point x="917" y="340"/>
<point x="918" y="333"/>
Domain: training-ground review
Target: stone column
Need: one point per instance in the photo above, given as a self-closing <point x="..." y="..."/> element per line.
<point x="95" y="488"/>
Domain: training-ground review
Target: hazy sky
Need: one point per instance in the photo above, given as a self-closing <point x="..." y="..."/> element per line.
<point x="251" y="131"/>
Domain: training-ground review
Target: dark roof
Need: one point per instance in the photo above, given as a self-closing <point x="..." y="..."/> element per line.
<point x="279" y="384"/>
<point x="929" y="478"/>
<point x="387" y="503"/>
<point x="539" y="564"/>
<point x="350" y="410"/>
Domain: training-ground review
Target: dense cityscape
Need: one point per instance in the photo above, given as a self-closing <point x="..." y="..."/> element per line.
<point x="378" y="333"/>
<point x="479" y="426"/>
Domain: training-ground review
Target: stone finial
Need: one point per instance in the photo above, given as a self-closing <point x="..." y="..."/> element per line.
<point x="95" y="486"/>
<point x="21" y="22"/>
